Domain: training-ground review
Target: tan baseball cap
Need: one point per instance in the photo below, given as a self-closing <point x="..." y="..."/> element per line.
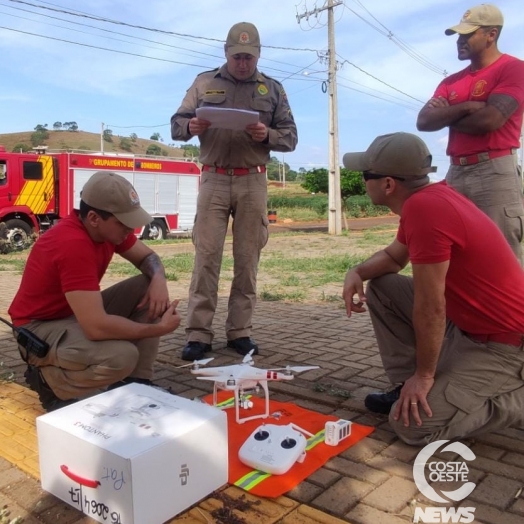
<point x="110" y="192"/>
<point x="483" y="15"/>
<point x="396" y="154"/>
<point x="243" y="38"/>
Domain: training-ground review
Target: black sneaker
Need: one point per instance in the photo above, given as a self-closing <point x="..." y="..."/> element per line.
<point x="382" y="402"/>
<point x="49" y="400"/>
<point x="243" y="345"/>
<point x="194" y="350"/>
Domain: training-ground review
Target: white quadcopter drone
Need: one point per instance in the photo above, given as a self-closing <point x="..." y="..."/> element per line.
<point x="242" y="377"/>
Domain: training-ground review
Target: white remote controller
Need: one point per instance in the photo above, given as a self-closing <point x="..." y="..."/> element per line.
<point x="336" y="431"/>
<point x="273" y="449"/>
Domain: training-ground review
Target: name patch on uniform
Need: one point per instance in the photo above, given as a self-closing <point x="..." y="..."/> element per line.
<point x="215" y="92"/>
<point x="262" y="89"/>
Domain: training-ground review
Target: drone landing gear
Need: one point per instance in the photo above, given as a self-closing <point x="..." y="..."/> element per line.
<point x="241" y="401"/>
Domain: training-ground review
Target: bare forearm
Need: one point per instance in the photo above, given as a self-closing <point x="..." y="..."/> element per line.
<point x="436" y="118"/>
<point x="152" y="266"/>
<point x="429" y="321"/>
<point x="381" y="263"/>
<point x="115" y="327"/>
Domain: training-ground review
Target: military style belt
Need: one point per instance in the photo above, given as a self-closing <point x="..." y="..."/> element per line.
<point x="511" y="339"/>
<point x="480" y="157"/>
<point x="234" y="171"/>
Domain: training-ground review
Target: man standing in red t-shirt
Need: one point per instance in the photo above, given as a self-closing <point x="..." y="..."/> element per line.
<point x="451" y="338"/>
<point x="483" y="105"/>
<point x="96" y="338"/>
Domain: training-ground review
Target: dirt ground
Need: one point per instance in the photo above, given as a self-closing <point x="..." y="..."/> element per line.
<point x="308" y="240"/>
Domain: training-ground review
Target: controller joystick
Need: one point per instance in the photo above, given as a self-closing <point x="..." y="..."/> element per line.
<point x="288" y="443"/>
<point x="261" y="435"/>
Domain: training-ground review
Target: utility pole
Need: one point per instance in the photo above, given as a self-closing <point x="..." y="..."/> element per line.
<point x="334" y="197"/>
<point x="102" y="139"/>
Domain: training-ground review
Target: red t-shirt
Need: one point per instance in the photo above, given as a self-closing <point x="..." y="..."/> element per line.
<point x="505" y="76"/>
<point x="64" y="259"/>
<point x="484" y="282"/>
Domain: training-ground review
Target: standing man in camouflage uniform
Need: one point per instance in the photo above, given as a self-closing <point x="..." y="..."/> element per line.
<point x="233" y="184"/>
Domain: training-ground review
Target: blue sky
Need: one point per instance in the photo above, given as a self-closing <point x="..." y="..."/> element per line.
<point x="381" y="87"/>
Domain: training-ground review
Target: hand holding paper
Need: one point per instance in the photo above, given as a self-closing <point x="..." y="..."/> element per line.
<point x="227" y="118"/>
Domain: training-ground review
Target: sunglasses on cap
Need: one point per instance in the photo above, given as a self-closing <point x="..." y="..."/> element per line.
<point x="367" y="175"/>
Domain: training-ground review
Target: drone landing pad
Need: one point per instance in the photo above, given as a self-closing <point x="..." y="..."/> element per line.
<point x="317" y="452"/>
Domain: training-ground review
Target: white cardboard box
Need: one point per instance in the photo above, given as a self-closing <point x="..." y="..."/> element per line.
<point x="133" y="455"/>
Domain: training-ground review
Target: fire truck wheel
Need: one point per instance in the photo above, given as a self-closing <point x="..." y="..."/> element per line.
<point x="18" y="233"/>
<point x="156" y="230"/>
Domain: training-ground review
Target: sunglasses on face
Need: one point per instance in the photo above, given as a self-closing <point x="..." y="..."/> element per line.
<point x="367" y="175"/>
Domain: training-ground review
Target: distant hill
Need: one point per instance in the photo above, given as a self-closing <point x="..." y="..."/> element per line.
<point x="82" y="140"/>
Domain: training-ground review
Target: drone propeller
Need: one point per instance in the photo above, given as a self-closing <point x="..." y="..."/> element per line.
<point x="248" y="359"/>
<point x="197" y="363"/>
<point x="295" y="369"/>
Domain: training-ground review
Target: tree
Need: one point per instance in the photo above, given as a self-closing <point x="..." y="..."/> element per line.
<point x="156" y="136"/>
<point x="108" y="135"/>
<point x="57" y="126"/>
<point x="154" y="149"/>
<point x="73" y="126"/>
<point x="125" y="144"/>
<point x="40" y="127"/>
<point x="190" y="150"/>
<point x="351" y="183"/>
<point x="133" y="137"/>
<point x="21" y="148"/>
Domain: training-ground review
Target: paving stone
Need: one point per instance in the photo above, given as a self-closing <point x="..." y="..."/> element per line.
<point x="305" y="492"/>
<point x="401" y="451"/>
<point x="391" y="466"/>
<point x="308" y="515"/>
<point x="499" y="468"/>
<point x="30" y="496"/>
<point x="392" y="496"/>
<point x="358" y="471"/>
<point x="11" y="476"/>
<point x="323" y="477"/>
<point x="366" y="449"/>
<point x="481" y="450"/>
<point x="342" y="496"/>
<point x="363" y="514"/>
<point x="490" y="515"/>
<point x="515" y="459"/>
<point x="496" y="491"/>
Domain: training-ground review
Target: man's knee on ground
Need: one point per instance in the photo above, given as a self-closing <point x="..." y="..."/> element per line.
<point x="121" y="360"/>
<point x="413" y="435"/>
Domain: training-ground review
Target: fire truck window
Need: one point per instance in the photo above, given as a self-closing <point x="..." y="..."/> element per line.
<point x="33" y="171"/>
<point x="3" y="173"/>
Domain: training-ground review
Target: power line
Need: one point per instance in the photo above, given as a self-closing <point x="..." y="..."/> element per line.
<point x="145" y="28"/>
<point x="410" y="51"/>
<point x="378" y="79"/>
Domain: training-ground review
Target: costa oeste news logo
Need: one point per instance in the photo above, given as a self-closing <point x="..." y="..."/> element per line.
<point x="443" y="471"/>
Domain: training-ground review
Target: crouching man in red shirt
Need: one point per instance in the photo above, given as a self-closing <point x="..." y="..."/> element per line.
<point x="96" y="338"/>
<point x="450" y="337"/>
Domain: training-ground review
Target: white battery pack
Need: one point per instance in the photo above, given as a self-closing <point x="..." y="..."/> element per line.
<point x="337" y="431"/>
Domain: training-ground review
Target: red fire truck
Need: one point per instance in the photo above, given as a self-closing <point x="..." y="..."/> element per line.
<point x="37" y="189"/>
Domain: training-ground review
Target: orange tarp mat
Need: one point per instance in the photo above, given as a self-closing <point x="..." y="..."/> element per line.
<point x="317" y="452"/>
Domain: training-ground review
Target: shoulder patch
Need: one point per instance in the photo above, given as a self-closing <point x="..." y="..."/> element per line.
<point x="210" y="71"/>
<point x="269" y="78"/>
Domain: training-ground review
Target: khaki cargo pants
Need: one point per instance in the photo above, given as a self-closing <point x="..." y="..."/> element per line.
<point x="76" y="367"/>
<point x="244" y="198"/>
<point x="495" y="187"/>
<point x="479" y="387"/>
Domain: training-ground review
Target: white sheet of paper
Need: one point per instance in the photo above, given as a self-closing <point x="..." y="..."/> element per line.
<point x="227" y="118"/>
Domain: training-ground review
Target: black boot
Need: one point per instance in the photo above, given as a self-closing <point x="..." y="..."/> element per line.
<point x="382" y="402"/>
